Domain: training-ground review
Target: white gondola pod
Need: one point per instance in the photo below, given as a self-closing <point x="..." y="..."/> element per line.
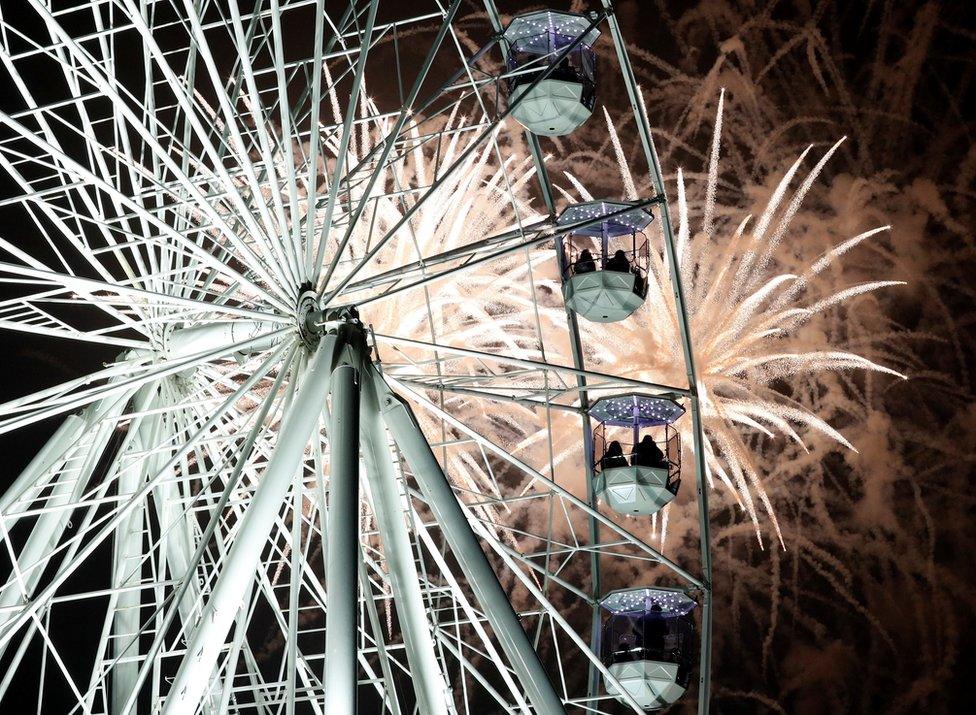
<point x="603" y="265"/>
<point x="649" y="644"/>
<point x="636" y="452"/>
<point x="565" y="98"/>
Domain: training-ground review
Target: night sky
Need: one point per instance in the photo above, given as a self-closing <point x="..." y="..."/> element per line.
<point x="867" y="606"/>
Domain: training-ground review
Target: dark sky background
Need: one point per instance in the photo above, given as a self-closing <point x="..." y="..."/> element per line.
<point x="869" y="610"/>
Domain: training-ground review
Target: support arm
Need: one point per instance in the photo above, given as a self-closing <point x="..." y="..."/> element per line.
<point x="342" y="572"/>
<point x="238" y="568"/>
<point x="405" y="581"/>
<point x="484" y="583"/>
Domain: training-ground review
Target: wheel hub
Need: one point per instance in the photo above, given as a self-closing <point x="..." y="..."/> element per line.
<point x="305" y="309"/>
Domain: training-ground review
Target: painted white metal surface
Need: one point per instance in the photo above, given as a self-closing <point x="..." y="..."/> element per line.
<point x="553" y="108"/>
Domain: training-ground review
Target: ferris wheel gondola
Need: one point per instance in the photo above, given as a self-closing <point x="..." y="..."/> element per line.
<point x="649" y="644"/>
<point x="604" y="265"/>
<point x="636" y="452"/>
<point x="562" y="43"/>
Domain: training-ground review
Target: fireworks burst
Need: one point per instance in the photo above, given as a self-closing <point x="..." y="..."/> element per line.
<point x="748" y="321"/>
<point x="871" y="533"/>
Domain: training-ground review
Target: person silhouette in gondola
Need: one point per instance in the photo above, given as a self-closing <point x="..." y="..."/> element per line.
<point x="619" y="262"/>
<point x="647" y="454"/>
<point x="585" y="263"/>
<point x="655" y="632"/>
<point x="614" y="456"/>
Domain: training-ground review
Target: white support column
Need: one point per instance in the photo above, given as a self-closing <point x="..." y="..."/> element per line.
<point x="428" y="681"/>
<point x="238" y="569"/>
<point x="126" y="557"/>
<point x="464" y="545"/>
<point x="342" y="572"/>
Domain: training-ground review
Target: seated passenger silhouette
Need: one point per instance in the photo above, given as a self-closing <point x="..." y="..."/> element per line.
<point x="585" y="262"/>
<point x="619" y="262"/>
<point x="647" y="454"/>
<point x="614" y="456"/>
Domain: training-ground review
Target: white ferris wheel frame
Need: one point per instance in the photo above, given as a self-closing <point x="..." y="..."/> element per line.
<point x="369" y="404"/>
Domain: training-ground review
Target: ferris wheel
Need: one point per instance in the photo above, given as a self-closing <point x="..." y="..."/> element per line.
<point x="350" y="453"/>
